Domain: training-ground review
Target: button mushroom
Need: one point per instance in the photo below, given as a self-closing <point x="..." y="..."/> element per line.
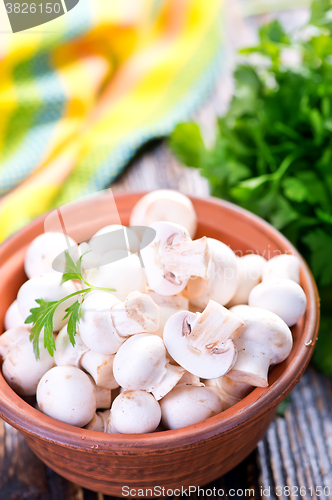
<point x="200" y="341"/>
<point x="283" y="297"/>
<point x="20" y="368"/>
<point x="134" y="412"/>
<point x="168" y="305"/>
<point x="264" y="339"/>
<point x="283" y="266"/>
<point x="99" y="421"/>
<point x="187" y="405"/>
<point x="230" y="391"/>
<point x="138" y="314"/>
<point x="250" y="270"/>
<point x="100" y="367"/>
<point x="165" y="205"/>
<point x="172" y="258"/>
<point x="11" y="337"/>
<point x="221" y="281"/>
<point x="141" y="363"/>
<point x="43" y="251"/>
<point x="13" y="317"/>
<point x="65" y="353"/>
<point x="125" y="275"/>
<point x="49" y="288"/>
<point x="67" y="394"/>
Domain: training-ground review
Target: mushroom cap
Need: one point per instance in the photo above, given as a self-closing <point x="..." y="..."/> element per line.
<point x="138" y="314"/>
<point x="135" y="412"/>
<point x="49" y="288"/>
<point x="221" y="282"/>
<point x="140" y="362"/>
<point x="124" y="275"/>
<point x="13" y="317"/>
<point x="188" y="405"/>
<point x="165" y="205"/>
<point x="264" y="339"/>
<point x="250" y="270"/>
<point x="9" y="338"/>
<point x="283" y="266"/>
<point x="95" y="326"/>
<point x="283" y="297"/>
<point x="21" y="369"/>
<point x="169" y="305"/>
<point x="66" y="393"/>
<point x="65" y="353"/>
<point x="100" y="367"/>
<point x="230" y="391"/>
<point x="43" y="251"/>
<point x="200" y="342"/>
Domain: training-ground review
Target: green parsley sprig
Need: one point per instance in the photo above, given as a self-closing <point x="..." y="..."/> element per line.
<point x="42" y="316"/>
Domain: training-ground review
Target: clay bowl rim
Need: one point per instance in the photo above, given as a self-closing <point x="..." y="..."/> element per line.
<point x="24" y="417"/>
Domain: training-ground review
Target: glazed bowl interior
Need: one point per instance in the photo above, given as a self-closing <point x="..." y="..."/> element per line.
<point x="244" y="233"/>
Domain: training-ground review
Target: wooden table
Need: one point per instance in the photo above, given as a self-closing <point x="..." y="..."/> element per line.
<point x="297" y="451"/>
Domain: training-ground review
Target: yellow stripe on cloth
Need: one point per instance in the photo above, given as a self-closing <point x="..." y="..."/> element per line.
<point x="124" y="80"/>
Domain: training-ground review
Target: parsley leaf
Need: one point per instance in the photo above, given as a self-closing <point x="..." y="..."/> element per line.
<point x="73" y="313"/>
<point x="42" y="318"/>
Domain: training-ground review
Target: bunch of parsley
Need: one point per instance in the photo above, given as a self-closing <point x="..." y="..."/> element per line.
<point x="273" y="150"/>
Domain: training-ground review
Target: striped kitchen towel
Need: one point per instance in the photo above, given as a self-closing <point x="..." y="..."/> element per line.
<point x="80" y="95"/>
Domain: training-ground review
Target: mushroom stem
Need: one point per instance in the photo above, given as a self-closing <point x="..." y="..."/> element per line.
<point x="100" y="367"/>
<point x="251" y="367"/>
<point x="138" y="314"/>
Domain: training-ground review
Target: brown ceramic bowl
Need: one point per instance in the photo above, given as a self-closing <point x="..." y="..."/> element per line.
<point x="193" y="455"/>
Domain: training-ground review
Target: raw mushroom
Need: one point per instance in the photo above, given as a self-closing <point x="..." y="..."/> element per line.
<point x="283" y="266"/>
<point x="100" y="367"/>
<point x="67" y="394"/>
<point x="106" y="322"/>
<point x="283" y="297"/>
<point x="169" y="305"/>
<point x="250" y="270"/>
<point x="165" y="205"/>
<point x="190" y="379"/>
<point x="172" y="258"/>
<point x="124" y="275"/>
<point x="12" y="337"/>
<point x="141" y="363"/>
<point x="221" y="281"/>
<point x="134" y="412"/>
<point x="263" y="340"/>
<point x="230" y="391"/>
<point x="13" y="317"/>
<point x="103" y="396"/>
<point x="43" y="251"/>
<point x="49" y="288"/>
<point x="99" y="421"/>
<point x="21" y="369"/>
<point x="200" y="341"/>
<point x="67" y="354"/>
<point x="187" y="405"/>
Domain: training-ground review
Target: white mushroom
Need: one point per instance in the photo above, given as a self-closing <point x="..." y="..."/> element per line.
<point x="67" y="394"/>
<point x="65" y="353"/>
<point x="13" y="317"/>
<point x="124" y="275"/>
<point x="134" y="412"/>
<point x="11" y="337"/>
<point x="172" y="258"/>
<point x="103" y="396"/>
<point x="188" y="405"/>
<point x="141" y="363"/>
<point x="165" y="205"/>
<point x="138" y="314"/>
<point x="100" y="367"/>
<point x="250" y="270"/>
<point x="230" y="391"/>
<point x="283" y="266"/>
<point x="106" y="322"/>
<point x="282" y="297"/>
<point x="221" y="281"/>
<point x="168" y="305"/>
<point x="95" y="325"/>
<point x="49" y="288"/>
<point x="43" y="251"/>
<point x="21" y="369"/>
<point x="99" y="421"/>
<point x="264" y="339"/>
<point x="200" y="341"/>
<point x="190" y="379"/>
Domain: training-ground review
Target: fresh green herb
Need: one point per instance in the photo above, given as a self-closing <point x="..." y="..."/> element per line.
<point x="273" y="148"/>
<point x="41" y="317"/>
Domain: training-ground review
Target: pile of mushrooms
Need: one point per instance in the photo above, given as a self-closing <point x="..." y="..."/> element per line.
<point x="190" y="330"/>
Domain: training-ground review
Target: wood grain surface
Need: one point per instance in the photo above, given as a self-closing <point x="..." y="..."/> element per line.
<point x="297" y="450"/>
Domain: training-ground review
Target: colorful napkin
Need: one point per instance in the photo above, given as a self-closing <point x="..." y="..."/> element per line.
<point x="80" y="95"/>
